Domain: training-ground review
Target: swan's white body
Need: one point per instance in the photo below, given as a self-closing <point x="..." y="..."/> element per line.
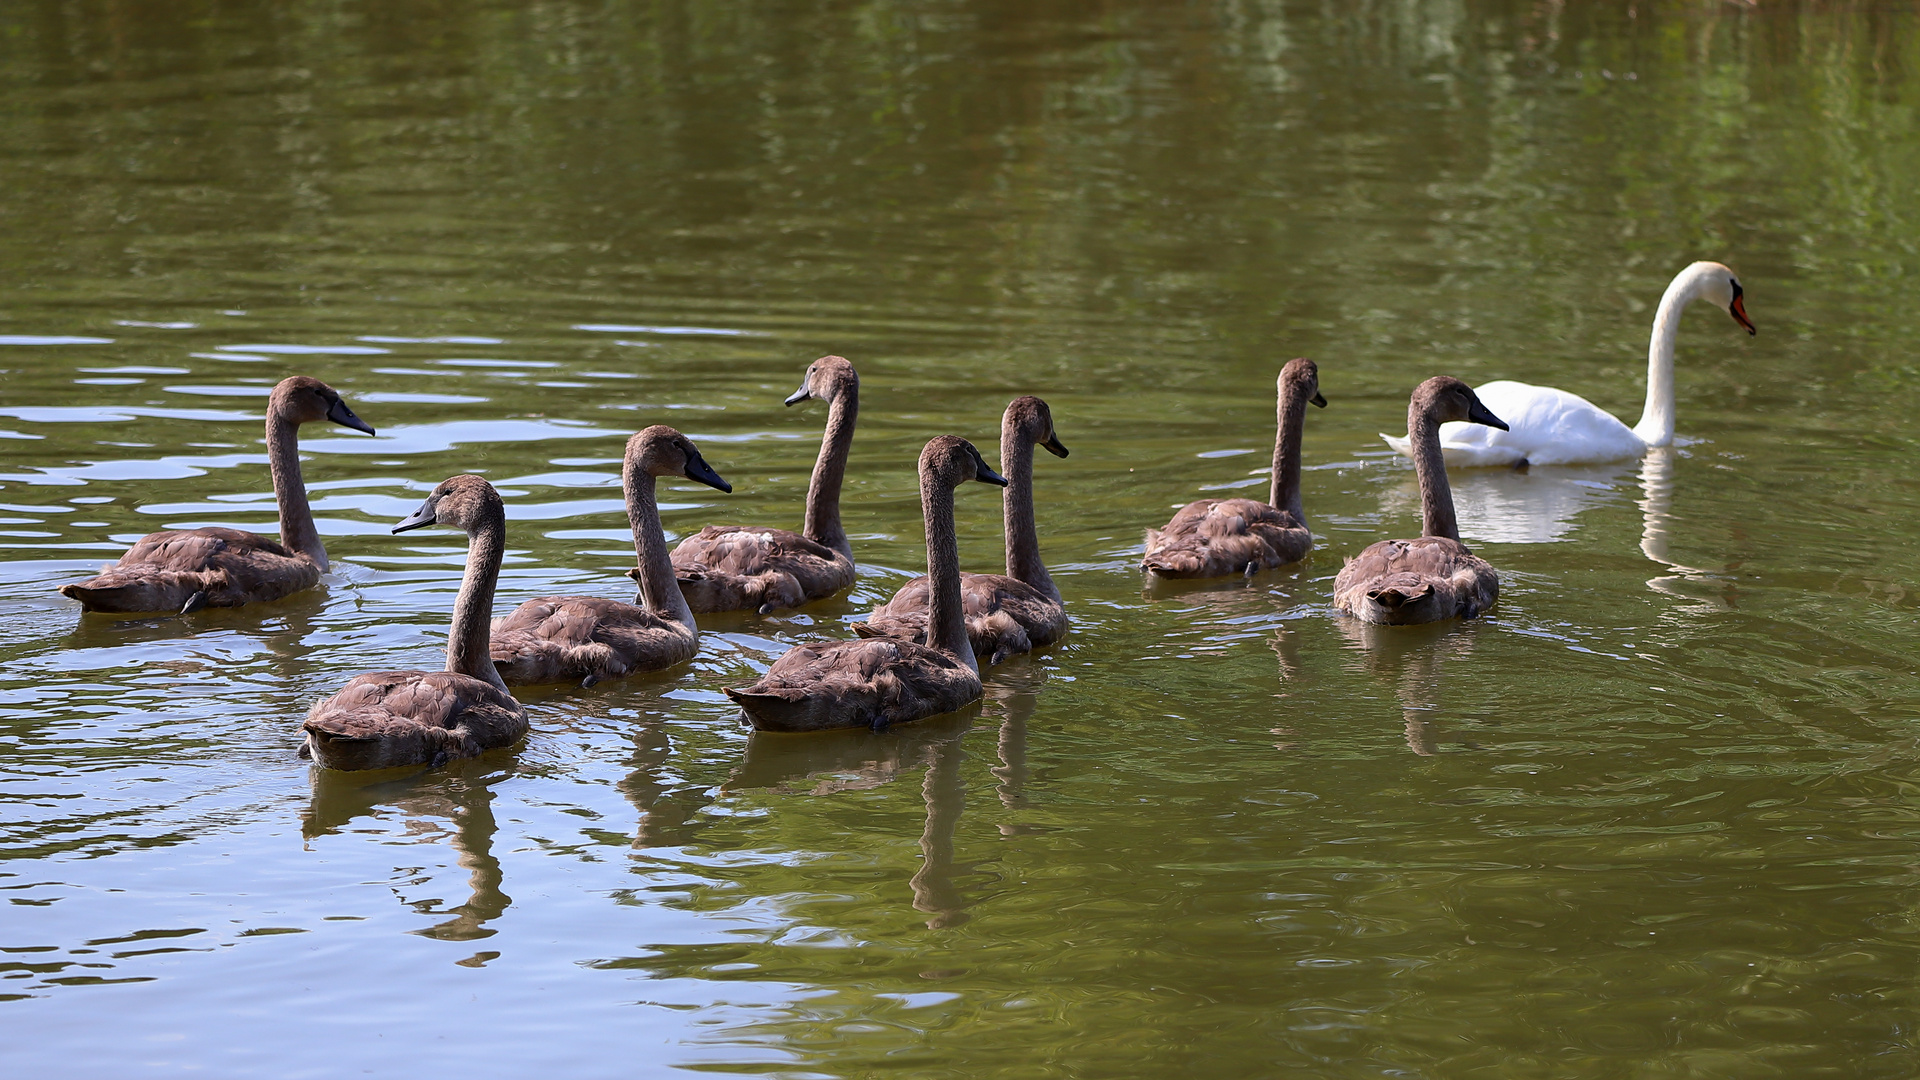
<point x="1549" y="426"/>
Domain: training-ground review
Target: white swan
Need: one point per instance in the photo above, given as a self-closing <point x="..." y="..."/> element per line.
<point x="1547" y="426"/>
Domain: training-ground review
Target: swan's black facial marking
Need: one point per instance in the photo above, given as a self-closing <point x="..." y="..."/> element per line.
<point x="1737" y="307"/>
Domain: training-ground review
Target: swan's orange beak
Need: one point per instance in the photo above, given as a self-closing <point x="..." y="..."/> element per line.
<point x="1739" y="311"/>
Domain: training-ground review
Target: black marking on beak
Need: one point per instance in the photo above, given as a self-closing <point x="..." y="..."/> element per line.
<point x="1054" y="446"/>
<point x="1319" y="399"/>
<point x="343" y="416"/>
<point x="419" y="519"/>
<point x="799" y="395"/>
<point x="698" y="470"/>
<point x="1738" y="309"/>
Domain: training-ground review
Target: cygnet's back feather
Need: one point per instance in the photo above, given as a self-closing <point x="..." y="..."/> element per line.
<point x="1005" y="616"/>
<point x="1416" y="581"/>
<point x="1215" y="537"/>
<point x="166" y="571"/>
<point x="389" y="718"/>
<point x="869" y="683"/>
<point x="585" y="639"/>
<point x="738" y="568"/>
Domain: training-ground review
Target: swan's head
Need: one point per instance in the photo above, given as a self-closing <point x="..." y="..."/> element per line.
<point x="303" y="399"/>
<point x="827" y="378"/>
<point x="662" y="451"/>
<point x="1029" y="420"/>
<point x="1718" y="284"/>
<point x="952" y="461"/>
<point x="1444" y="398"/>
<point x="462" y="502"/>
<point x="1302" y="376"/>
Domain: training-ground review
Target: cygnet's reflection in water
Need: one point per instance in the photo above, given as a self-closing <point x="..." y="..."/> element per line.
<point x="453" y="803"/>
<point x="829" y="762"/>
<point x="668" y="805"/>
<point x="1518" y="506"/>
<point x="1709" y="591"/>
<point x="822" y="763"/>
<point x="281" y="626"/>
<point x="1413" y="657"/>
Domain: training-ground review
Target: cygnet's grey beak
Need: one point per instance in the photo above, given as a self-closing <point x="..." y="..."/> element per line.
<point x="419" y="519"/>
<point x="1054" y="446"/>
<point x="799" y="395"/>
<point x="1319" y="399"/>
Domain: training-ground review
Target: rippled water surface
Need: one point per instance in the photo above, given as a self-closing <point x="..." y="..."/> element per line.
<point x="1654" y="816"/>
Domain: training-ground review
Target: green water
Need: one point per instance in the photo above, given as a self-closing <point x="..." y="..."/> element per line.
<point x="1657" y="815"/>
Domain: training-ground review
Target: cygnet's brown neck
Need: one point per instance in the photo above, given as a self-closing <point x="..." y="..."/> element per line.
<point x="830" y="469"/>
<point x="659" y="591"/>
<point x="297" y="532"/>
<point x="1436" y="496"/>
<point x="467" y="640"/>
<point x="1290" y="425"/>
<point x="946" y="614"/>
<point x="1016" y="503"/>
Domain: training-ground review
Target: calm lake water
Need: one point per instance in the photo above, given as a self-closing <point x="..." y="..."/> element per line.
<point x="1658" y="815"/>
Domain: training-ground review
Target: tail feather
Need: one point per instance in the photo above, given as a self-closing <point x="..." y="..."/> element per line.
<point x="1394" y="597"/>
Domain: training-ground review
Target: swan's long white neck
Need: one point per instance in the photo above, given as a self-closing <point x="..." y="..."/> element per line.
<point x="1656" y="420"/>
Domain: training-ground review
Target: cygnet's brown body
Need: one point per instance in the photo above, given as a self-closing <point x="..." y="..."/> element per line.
<point x="188" y="569"/>
<point x="876" y="682"/>
<point x="1435" y="576"/>
<point x="1214" y="537"/>
<point x="586" y="638"/>
<point x="738" y="568"/>
<point x="391" y="718"/>
<point x="1007" y="614"/>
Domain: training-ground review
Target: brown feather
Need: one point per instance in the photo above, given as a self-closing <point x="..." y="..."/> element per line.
<point x="736" y="568"/>
<point x="1416" y="581"/>
<point x="388" y="718"/>
<point x="1214" y="537"/>
<point x="163" y="570"/>
<point x="843" y="684"/>
<point x="571" y="638"/>
<point x="1005" y="616"/>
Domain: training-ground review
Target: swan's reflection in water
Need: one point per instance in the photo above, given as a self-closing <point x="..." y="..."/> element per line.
<point x="1709" y="592"/>
<point x="454" y="804"/>
<point x="1518" y="506"/>
<point x="1413" y="658"/>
